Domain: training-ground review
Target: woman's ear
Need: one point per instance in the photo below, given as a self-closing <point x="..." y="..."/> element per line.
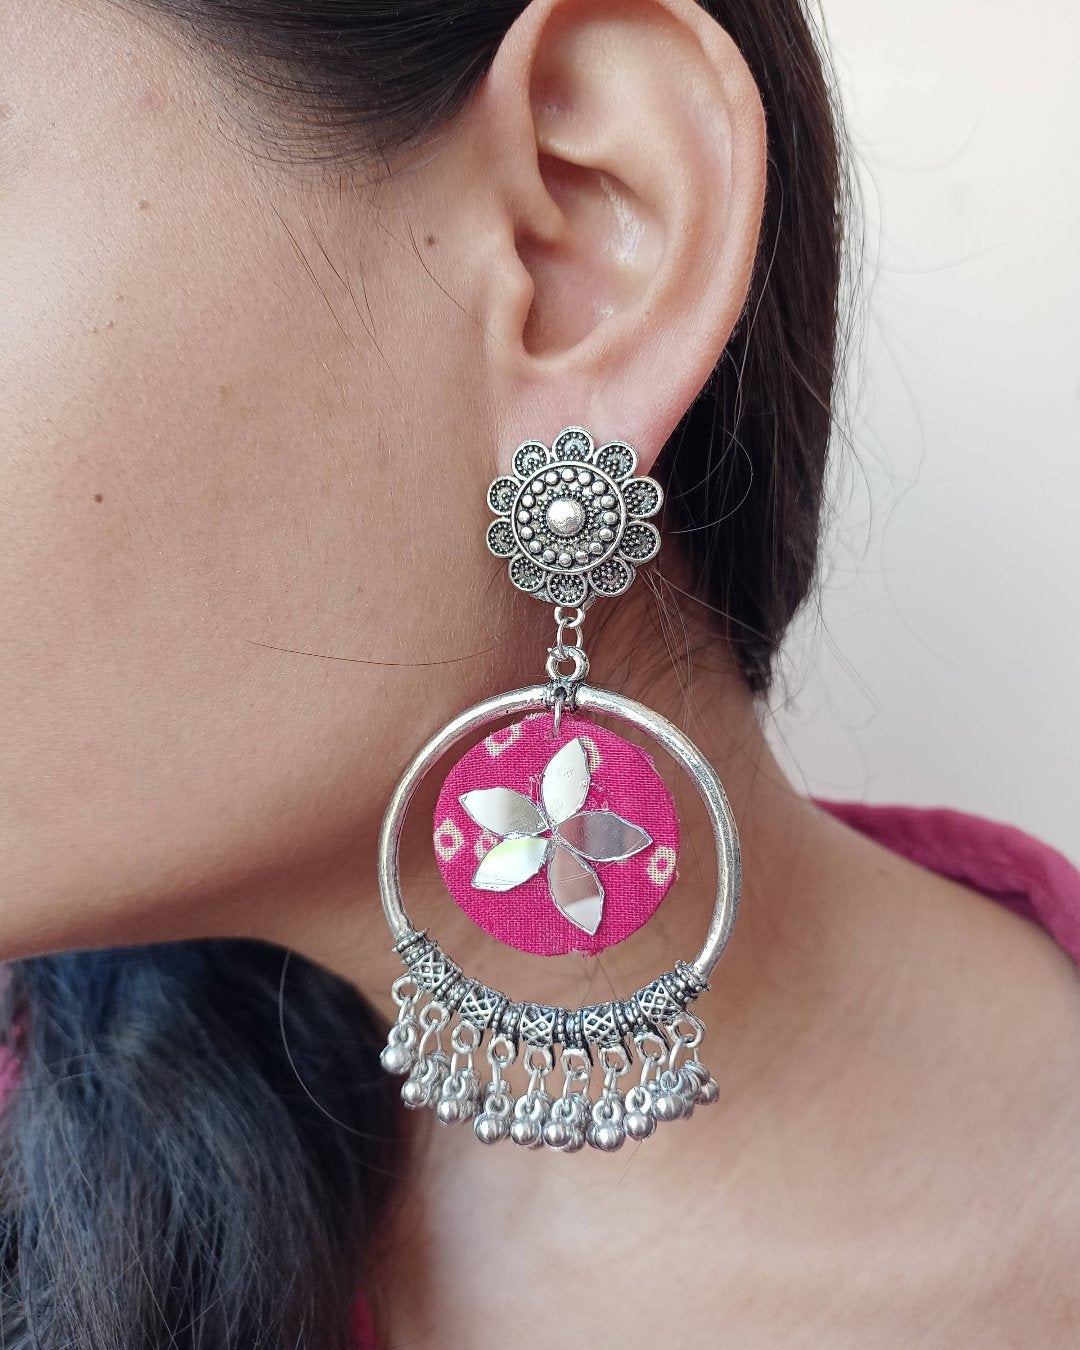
<point x="625" y="166"/>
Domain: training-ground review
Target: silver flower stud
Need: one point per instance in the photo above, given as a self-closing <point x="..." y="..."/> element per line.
<point x="572" y="521"/>
<point x="557" y="833"/>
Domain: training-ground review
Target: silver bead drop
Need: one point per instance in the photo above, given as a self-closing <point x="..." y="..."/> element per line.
<point x="414" y="1094"/>
<point x="709" y="1092"/>
<point x="490" y="1129"/>
<point x="557" y="1133"/>
<point x="669" y="1106"/>
<point x="639" y="1124"/>
<point x="607" y="1138"/>
<point x="396" y="1059"/>
<point x="527" y="1133"/>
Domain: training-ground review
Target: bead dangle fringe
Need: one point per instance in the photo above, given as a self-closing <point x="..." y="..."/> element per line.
<point x="662" y="1079"/>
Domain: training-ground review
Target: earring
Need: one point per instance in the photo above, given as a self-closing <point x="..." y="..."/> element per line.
<point x="554" y="834"/>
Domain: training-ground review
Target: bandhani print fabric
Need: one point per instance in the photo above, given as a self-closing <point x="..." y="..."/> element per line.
<point x="556" y="844"/>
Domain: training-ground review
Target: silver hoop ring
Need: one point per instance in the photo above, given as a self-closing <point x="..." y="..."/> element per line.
<point x="537" y="698"/>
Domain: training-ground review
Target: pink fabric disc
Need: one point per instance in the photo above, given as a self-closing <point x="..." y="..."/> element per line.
<point x="556" y="844"/>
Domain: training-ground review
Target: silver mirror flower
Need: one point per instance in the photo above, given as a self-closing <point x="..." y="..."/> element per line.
<point x="557" y="834"/>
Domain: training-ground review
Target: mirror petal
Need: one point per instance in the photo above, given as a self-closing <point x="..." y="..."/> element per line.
<point x="603" y="836"/>
<point x="510" y="862"/>
<point x="503" y="811"/>
<point x="575" y="890"/>
<point x="566" y="781"/>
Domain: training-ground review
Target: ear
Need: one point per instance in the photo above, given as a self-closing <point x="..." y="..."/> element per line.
<point x="625" y="149"/>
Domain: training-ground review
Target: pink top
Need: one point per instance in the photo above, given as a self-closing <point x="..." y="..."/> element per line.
<point x="1006" y="864"/>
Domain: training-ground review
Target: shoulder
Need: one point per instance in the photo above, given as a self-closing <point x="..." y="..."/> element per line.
<point x="993" y="857"/>
<point x="979" y="916"/>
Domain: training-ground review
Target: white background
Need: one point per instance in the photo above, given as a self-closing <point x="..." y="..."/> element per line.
<point x="942" y="666"/>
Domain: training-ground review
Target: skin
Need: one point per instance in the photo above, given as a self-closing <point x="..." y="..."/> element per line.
<point x="249" y="410"/>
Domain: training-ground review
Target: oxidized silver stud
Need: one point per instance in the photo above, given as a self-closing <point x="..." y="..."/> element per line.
<point x="574" y="491"/>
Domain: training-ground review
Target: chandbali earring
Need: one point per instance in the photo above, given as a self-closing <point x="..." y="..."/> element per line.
<point x="556" y="835"/>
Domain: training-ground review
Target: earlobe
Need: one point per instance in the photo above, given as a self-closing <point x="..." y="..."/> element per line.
<point x="629" y="158"/>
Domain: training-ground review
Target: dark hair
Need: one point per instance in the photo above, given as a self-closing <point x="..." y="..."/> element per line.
<point x="179" y="1168"/>
<point x="189" y="1161"/>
